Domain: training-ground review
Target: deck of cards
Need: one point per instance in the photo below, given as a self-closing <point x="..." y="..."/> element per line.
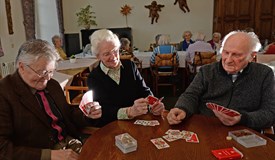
<point x="222" y="109"/>
<point x="126" y="143"/>
<point x="227" y="153"/>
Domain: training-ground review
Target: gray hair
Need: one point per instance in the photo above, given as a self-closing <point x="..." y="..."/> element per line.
<point x="217" y="34"/>
<point x="34" y="49"/>
<point x="103" y="35"/>
<point x="200" y="36"/>
<point x="254" y="43"/>
<point x="55" y="37"/>
<point x="124" y="42"/>
<point x="186" y="32"/>
<point x="164" y="40"/>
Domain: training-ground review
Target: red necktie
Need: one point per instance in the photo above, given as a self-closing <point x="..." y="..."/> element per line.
<point x="50" y="113"/>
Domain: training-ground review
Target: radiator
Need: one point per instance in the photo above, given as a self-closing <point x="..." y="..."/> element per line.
<point x="7" y="68"/>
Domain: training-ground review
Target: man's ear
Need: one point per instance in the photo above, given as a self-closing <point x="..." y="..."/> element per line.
<point x="253" y="57"/>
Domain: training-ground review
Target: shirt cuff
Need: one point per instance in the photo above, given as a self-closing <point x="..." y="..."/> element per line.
<point x="46" y="154"/>
<point x="122" y="113"/>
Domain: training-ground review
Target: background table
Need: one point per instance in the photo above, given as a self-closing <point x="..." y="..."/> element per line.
<point x="211" y="133"/>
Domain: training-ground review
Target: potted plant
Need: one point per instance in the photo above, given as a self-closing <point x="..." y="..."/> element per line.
<point x="73" y="59"/>
<point x="86" y="17"/>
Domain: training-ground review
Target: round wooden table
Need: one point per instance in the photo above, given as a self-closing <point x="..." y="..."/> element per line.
<point x="211" y="133"/>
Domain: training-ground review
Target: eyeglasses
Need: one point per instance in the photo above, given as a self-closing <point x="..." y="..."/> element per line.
<point x="114" y="51"/>
<point x="43" y="73"/>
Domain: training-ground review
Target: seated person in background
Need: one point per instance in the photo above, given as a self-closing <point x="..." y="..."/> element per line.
<point x="87" y="49"/>
<point x="36" y="121"/>
<point x="163" y="47"/>
<point x="57" y="42"/>
<point x="117" y="84"/>
<point x="235" y="83"/>
<point x="154" y="45"/>
<point x="187" y="35"/>
<point x="270" y="49"/>
<point x="199" y="46"/>
<point x="215" y="42"/>
<point x="125" y="46"/>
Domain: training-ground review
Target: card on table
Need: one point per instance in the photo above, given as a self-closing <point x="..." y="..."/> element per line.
<point x="159" y="143"/>
<point x="222" y="109"/>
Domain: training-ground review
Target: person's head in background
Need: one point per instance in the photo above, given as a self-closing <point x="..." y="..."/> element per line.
<point x="249" y="29"/>
<point x="36" y="63"/>
<point x="125" y="44"/>
<point x="238" y="49"/>
<point x="106" y="45"/>
<point x="157" y="39"/>
<point x="199" y="36"/>
<point x="187" y="35"/>
<point x="57" y="41"/>
<point x="164" y="40"/>
<point x="216" y="37"/>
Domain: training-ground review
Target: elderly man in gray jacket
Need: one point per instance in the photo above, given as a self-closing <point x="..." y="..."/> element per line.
<point x="235" y="83"/>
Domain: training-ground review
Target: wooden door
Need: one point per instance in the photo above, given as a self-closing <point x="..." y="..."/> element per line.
<point x="239" y="14"/>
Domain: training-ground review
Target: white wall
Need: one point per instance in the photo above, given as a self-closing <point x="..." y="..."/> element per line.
<point x="11" y="43"/>
<point x="46" y="25"/>
<point x="172" y="20"/>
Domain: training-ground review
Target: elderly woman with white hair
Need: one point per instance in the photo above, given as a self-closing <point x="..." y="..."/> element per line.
<point x="117" y="84"/>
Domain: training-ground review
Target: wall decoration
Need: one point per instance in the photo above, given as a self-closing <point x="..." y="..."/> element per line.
<point x="154" y="8"/>
<point x="183" y="5"/>
<point x="125" y="11"/>
<point x="85" y="17"/>
<point x="9" y="18"/>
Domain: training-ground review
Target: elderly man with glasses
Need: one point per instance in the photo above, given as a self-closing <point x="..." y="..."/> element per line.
<point x="35" y="120"/>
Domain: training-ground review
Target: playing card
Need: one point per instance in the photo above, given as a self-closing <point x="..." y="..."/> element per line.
<point x="194" y="138"/>
<point x="169" y="138"/>
<point x="222" y="109"/>
<point x="152" y="99"/>
<point x="159" y="143"/>
<point x="187" y="134"/>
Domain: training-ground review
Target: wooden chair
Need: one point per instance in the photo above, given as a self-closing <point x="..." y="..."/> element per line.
<point x="200" y="59"/>
<point x="167" y="77"/>
<point x="76" y="101"/>
<point x="132" y="57"/>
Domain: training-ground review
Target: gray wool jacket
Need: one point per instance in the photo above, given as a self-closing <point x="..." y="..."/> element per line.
<point x="252" y="94"/>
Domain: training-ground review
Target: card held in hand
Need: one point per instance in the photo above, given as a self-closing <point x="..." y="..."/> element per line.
<point x="222" y="109"/>
<point x="152" y="99"/>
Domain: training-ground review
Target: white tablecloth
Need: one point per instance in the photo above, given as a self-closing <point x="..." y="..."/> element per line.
<point x="146" y="56"/>
<point x="81" y="55"/>
<point x="63" y="79"/>
<point x="80" y="63"/>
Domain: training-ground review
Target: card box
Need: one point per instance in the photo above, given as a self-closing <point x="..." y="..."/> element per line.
<point x="126" y="143"/>
<point x="227" y="154"/>
<point x="247" y="138"/>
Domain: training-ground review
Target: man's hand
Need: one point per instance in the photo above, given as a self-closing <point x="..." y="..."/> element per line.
<point x="227" y="120"/>
<point x="67" y="154"/>
<point x="175" y="116"/>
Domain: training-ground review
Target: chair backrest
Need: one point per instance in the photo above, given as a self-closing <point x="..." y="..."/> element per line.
<point x="202" y="58"/>
<point x="166" y="60"/>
